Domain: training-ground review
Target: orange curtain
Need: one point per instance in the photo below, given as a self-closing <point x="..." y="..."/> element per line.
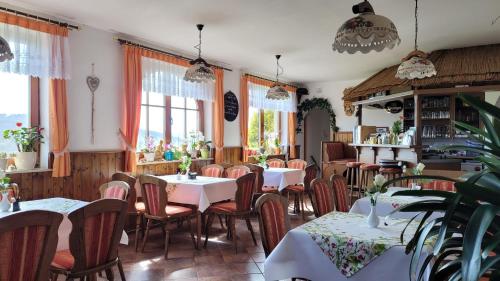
<point x="165" y="57"/>
<point x="244" y="116"/>
<point x="33" y="24"/>
<point x="131" y="111"/>
<point x="59" y="137"/>
<point x="292" y="124"/>
<point x="218" y="115"/>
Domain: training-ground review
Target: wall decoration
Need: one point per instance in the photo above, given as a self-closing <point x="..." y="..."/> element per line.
<point x="349" y="109"/>
<point x="394" y="106"/>
<point x="310" y="104"/>
<point x="93" y="83"/>
<point x="231" y="106"/>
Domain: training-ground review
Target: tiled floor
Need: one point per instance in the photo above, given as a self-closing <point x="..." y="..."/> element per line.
<point x="217" y="262"/>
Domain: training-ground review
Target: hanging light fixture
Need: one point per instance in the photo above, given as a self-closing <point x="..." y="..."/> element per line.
<point x="416" y="65"/>
<point x="277" y="92"/>
<point x="366" y="32"/>
<point x="199" y="71"/>
<point x="5" y="52"/>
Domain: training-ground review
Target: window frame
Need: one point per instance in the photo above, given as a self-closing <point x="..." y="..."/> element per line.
<point x="261" y="115"/>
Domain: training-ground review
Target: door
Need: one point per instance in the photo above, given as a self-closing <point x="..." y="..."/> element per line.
<point x="316" y="130"/>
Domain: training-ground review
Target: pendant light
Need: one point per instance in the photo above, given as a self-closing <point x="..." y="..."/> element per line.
<point x="366" y="32"/>
<point x="5" y="52"/>
<point x="416" y="65"/>
<point x="277" y="92"/>
<point x="199" y="71"/>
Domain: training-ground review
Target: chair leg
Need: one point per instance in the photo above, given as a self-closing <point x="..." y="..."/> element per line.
<point x="207" y="228"/>
<point x="146" y="234"/>
<point x="250" y="228"/>
<point x="221" y="223"/>
<point x="138" y="225"/>
<point x="301" y="198"/>
<point x="109" y="274"/>
<point x="191" y="229"/>
<point x="233" y="233"/>
<point x="167" y="238"/>
<point x="120" y="269"/>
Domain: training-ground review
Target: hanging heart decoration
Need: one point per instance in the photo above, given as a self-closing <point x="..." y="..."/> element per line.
<point x="93" y="83"/>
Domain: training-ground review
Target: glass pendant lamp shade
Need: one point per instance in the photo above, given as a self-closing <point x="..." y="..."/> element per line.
<point x="199" y="71"/>
<point x="277" y="92"/>
<point x="366" y="32"/>
<point x="5" y="52"/>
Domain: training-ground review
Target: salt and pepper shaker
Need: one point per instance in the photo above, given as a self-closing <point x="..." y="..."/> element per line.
<point x="15" y="206"/>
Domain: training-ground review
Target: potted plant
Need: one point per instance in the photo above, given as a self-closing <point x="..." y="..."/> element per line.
<point x="149" y="149"/>
<point x="5" y="201"/>
<point x="204" y="148"/>
<point x="261" y="159"/>
<point x="467" y="238"/>
<point x="27" y="140"/>
<point x="184" y="165"/>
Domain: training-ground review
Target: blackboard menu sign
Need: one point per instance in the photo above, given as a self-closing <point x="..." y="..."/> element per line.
<point x="394" y="106"/>
<point x="231" y="106"/>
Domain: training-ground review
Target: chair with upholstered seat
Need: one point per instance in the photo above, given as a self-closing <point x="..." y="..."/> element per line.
<point x="368" y="173"/>
<point x="158" y="209"/>
<point x="212" y="170"/>
<point x="240" y="208"/>
<point x="391" y="173"/>
<point x="114" y="190"/>
<point x="322" y="195"/>
<point x="353" y="178"/>
<point x="29" y="241"/>
<point x="93" y="241"/>
<point x="259" y="181"/>
<point x="298" y="190"/>
<point x="275" y="163"/>
<point x="274" y="223"/>
<point x="237" y="171"/>
<point x="441" y="185"/>
<point x="298" y="164"/>
<point x="339" y="186"/>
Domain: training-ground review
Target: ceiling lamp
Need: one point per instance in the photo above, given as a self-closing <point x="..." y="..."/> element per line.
<point x="416" y="65"/>
<point x="5" y="53"/>
<point x="366" y="32"/>
<point x="277" y="92"/>
<point x="199" y="71"/>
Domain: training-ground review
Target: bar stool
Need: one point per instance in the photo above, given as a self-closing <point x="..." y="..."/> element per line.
<point x="353" y="177"/>
<point x="391" y="173"/>
<point x="368" y="171"/>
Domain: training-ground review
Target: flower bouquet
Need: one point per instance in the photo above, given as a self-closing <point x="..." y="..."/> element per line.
<point x="377" y="188"/>
<point x="261" y="158"/>
<point x="149" y="149"/>
<point x="184" y="165"/>
<point x="418" y="170"/>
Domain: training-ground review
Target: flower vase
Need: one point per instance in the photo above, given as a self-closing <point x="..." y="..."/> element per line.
<point x="5" y="202"/>
<point x="149" y="156"/>
<point x="373" y="220"/>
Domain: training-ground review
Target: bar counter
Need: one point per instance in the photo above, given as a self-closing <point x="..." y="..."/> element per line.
<point x="372" y="153"/>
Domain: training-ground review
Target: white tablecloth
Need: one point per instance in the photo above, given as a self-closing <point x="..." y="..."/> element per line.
<point x="283" y="177"/>
<point x="63" y="206"/>
<point x="387" y="203"/>
<point x="200" y="192"/>
<point x="298" y="255"/>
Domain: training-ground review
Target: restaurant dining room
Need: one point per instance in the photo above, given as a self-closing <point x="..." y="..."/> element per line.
<point x="232" y="140"/>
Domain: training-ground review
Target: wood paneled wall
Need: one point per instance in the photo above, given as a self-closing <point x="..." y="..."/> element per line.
<point x="342" y="137"/>
<point x="170" y="168"/>
<point x="233" y="155"/>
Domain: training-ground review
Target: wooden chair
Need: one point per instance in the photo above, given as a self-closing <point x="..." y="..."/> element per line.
<point x="322" y="196"/>
<point x="259" y="181"/>
<point x="114" y="190"/>
<point x="441" y="185"/>
<point x="297" y="190"/>
<point x="157" y="209"/>
<point x="298" y="164"/>
<point x="276" y="163"/>
<point x="239" y="208"/>
<point x="237" y="171"/>
<point x="212" y="170"/>
<point x="340" y="193"/>
<point x="29" y="241"/>
<point x="274" y="223"/>
<point x="93" y="241"/>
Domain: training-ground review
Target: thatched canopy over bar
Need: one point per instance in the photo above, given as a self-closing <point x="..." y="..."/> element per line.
<point x="472" y="65"/>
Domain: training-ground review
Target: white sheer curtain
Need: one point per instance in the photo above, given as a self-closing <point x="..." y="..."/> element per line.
<point x="36" y="53"/>
<point x="167" y="79"/>
<point x="257" y="98"/>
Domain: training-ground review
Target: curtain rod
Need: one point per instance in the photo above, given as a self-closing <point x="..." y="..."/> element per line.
<point x="267" y="79"/>
<point x="63" y="24"/>
<point x="127" y="42"/>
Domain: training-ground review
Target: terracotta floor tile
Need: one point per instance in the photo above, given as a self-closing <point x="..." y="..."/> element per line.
<point x="244" y="268"/>
<point x="260" y="265"/>
<point x="213" y="270"/>
<point x="217" y="259"/>
<point x="248" y="277"/>
<point x="258" y="257"/>
<point x="233" y="258"/>
<point x="180" y="273"/>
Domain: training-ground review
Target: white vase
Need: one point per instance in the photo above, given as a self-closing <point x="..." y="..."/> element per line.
<point x="5" y="203"/>
<point x="414" y="186"/>
<point x="373" y="220"/>
<point x="149" y="156"/>
<point x="25" y="160"/>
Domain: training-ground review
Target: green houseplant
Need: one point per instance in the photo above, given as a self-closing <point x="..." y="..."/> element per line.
<point x="27" y="140"/>
<point x="466" y="238"/>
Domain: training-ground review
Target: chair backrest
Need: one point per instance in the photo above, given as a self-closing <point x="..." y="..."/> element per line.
<point x="333" y="151"/>
<point x="441" y="185"/>
<point x="311" y="174"/>
<point x="259" y="176"/>
<point x="154" y="195"/>
<point x="274" y="223"/>
<point x="296" y="164"/>
<point x="212" y="170"/>
<point x="132" y="193"/>
<point x="114" y="190"/>
<point x="322" y="197"/>
<point x="28" y="242"/>
<point x="276" y="163"/>
<point x="244" y="193"/>
<point x="339" y="185"/>
<point x="237" y="171"/>
<point x="97" y="229"/>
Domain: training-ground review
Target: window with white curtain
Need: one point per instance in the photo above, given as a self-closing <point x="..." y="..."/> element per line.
<point x="185" y="118"/>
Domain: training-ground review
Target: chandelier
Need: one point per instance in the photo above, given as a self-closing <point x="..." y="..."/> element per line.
<point x="5" y="52"/>
<point x="199" y="71"/>
<point x="366" y="32"/>
<point x="416" y="65"/>
<point x="277" y="92"/>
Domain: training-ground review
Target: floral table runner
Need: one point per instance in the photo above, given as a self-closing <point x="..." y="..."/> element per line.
<point x="350" y="244"/>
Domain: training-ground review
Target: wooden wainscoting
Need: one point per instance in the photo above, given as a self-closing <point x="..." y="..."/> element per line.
<point x="170" y="168"/>
<point x="342" y="137"/>
<point x="233" y="155"/>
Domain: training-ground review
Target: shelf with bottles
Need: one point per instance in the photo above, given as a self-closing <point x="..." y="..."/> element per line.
<point x="466" y="114"/>
<point x="436" y="103"/>
<point x="436" y="131"/>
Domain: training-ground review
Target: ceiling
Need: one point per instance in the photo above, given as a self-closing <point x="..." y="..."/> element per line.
<point x="246" y="35"/>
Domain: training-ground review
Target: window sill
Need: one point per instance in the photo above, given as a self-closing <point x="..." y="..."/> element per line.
<point x="171" y="161"/>
<point x="36" y="170"/>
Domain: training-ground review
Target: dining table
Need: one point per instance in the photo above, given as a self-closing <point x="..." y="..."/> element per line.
<point x="341" y="246"/>
<point x="60" y="205"/>
<point x="283" y="177"/>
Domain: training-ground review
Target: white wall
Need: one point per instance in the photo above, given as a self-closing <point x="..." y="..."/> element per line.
<point x="378" y="117"/>
<point x="232" y="136"/>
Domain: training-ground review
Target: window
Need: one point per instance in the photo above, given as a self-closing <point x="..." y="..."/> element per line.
<point x="264" y="127"/>
<point x="15" y="107"/>
<point x="156" y="108"/>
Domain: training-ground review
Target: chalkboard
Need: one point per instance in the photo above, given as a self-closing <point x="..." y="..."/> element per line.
<point x="231" y="106"/>
<point x="394" y="106"/>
